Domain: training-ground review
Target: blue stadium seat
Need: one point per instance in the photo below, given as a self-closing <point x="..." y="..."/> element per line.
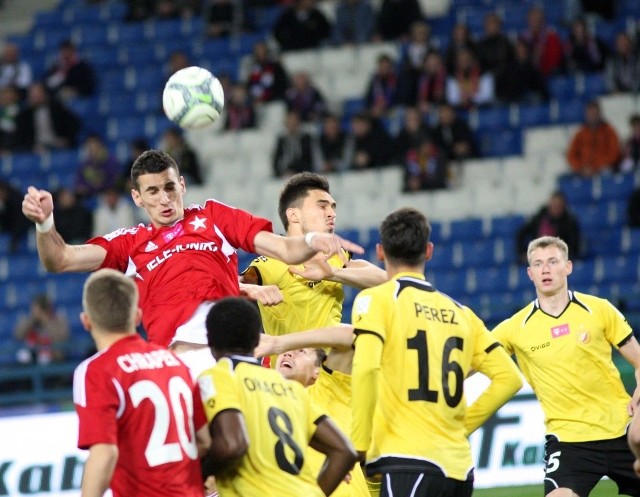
<point x="126" y="128"/>
<point x="452" y="283"/>
<point x="443" y="257"/>
<point x="139" y="54"/>
<point x="570" y="111"/>
<point x="48" y="40"/>
<point x="66" y="289"/>
<point x="492" y="279"/>
<point x="64" y="160"/>
<point x="534" y="115"/>
<point x="47" y="19"/>
<point x="466" y="229"/>
<point x="8" y="323"/>
<point x="118" y="105"/>
<point x="350" y="234"/>
<point x="352" y="106"/>
<point x="506" y="226"/>
<point x="437" y="232"/>
<point x="576" y="189"/>
<point x="584" y="274"/>
<point x="492" y="118"/>
<point x="603" y="241"/>
<point x="479" y="253"/>
<point x="21" y="268"/>
<point x="150" y="77"/>
<point x="85" y="107"/>
<point x="590" y="86"/>
<point x="616" y="186"/>
<point x="562" y="88"/>
<point x="115" y="81"/>
<point x="262" y="19"/>
<point x="25" y="163"/>
<point x="131" y="34"/>
<point x="592" y="216"/>
<point x="620" y="268"/>
<point x="633" y="244"/>
<point x="166" y="29"/>
<point x="84" y="13"/>
<point x="102" y="57"/>
<point x="629" y="292"/>
<point x="86" y="35"/>
<point x="500" y="143"/>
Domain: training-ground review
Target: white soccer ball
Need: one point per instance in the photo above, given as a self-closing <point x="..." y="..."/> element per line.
<point x="193" y="98"/>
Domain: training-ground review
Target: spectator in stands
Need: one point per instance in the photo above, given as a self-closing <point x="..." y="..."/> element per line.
<point x="136" y="147"/>
<point x="415" y="49"/>
<point x="10" y="222"/>
<point x="70" y="76"/>
<point x="425" y="168"/>
<point x="631" y="151"/>
<point x="595" y="147"/>
<point x="468" y="86"/>
<point x="293" y="153"/>
<point x="369" y="145"/>
<point x="174" y="144"/>
<point x="329" y="147"/>
<point x="113" y="211"/>
<point x="304" y="98"/>
<point x="545" y="46"/>
<point x="414" y="131"/>
<point x="429" y="88"/>
<point x="585" y="51"/>
<point x="45" y="123"/>
<point x="633" y="209"/>
<point x="43" y="333"/>
<point x="355" y="22"/>
<point x="177" y="60"/>
<point x="13" y="71"/>
<point x="74" y="221"/>
<point x="553" y="219"/>
<point x="453" y="135"/>
<point x="240" y="112"/>
<point x="382" y="92"/>
<point x="9" y="110"/>
<point x="267" y="80"/>
<point x="395" y="18"/>
<point x="301" y="26"/>
<point x="460" y="39"/>
<point x="98" y="169"/>
<point x="523" y="82"/>
<point x="224" y="17"/>
<point x="495" y="51"/>
<point x="623" y="66"/>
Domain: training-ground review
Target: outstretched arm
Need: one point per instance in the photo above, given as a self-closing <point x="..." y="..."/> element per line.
<point x="357" y="273"/>
<point x="297" y="249"/>
<point x="56" y="255"/>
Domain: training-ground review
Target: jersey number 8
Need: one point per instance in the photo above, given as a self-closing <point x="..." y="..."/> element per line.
<point x="285" y="440"/>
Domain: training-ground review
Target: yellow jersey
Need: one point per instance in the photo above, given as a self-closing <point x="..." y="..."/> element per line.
<point x="306" y="305"/>
<point x="280" y="421"/>
<point x="332" y="391"/>
<point x="414" y="348"/>
<point x="567" y="361"/>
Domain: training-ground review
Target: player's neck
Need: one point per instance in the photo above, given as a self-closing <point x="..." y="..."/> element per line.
<point x="105" y="339"/>
<point x="555" y="303"/>
<point x="394" y="269"/>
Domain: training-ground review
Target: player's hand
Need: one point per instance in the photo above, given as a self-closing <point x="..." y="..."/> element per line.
<point x="636" y="467"/>
<point x="634" y="403"/>
<point x="315" y="269"/>
<point x="210" y="487"/>
<point x="266" y="295"/>
<point x="37" y="205"/>
<point x="330" y="244"/>
<point x="266" y="346"/>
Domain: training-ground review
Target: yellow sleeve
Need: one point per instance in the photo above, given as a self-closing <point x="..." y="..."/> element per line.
<point x="269" y="271"/>
<point x="217" y="388"/>
<point x="364" y="384"/>
<point x="616" y="327"/>
<point x="493" y="361"/>
<point x="315" y="412"/>
<point x="501" y="334"/>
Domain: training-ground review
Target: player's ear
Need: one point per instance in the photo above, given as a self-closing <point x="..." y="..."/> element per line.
<point x="379" y="252"/>
<point x="569" y="268"/>
<point x="292" y="215"/>
<point x="86" y="322"/>
<point x="138" y="316"/>
<point x="183" y="184"/>
<point x="135" y="195"/>
<point x="428" y="252"/>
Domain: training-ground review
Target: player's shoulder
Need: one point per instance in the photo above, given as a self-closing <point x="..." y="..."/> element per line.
<point x="592" y="303"/>
<point x="126" y="233"/>
<point x="519" y="319"/>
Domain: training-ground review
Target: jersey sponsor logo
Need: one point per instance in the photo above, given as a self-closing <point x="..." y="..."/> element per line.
<point x="540" y="346"/>
<point x="277" y="388"/>
<point x="173" y="233"/>
<point x="150" y="247"/>
<point x="120" y="232"/>
<point x="166" y="254"/>
<point x="560" y="330"/>
<point x="198" y="223"/>
<point x="155" y="359"/>
<point x="443" y="315"/>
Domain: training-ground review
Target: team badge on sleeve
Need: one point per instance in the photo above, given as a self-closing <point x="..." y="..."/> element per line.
<point x="362" y="304"/>
<point x="207" y="389"/>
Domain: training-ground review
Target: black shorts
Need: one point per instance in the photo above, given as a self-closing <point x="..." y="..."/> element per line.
<point x="581" y="465"/>
<point x="413" y="484"/>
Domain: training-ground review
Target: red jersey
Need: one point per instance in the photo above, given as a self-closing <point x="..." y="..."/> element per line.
<point x="178" y="267"/>
<point x="141" y="397"/>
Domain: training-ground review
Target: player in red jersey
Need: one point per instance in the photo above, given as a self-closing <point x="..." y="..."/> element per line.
<point x="137" y="404"/>
<point x="184" y="260"/>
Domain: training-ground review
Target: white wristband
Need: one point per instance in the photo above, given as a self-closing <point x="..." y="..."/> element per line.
<point x="45" y="225"/>
<point x="308" y="238"/>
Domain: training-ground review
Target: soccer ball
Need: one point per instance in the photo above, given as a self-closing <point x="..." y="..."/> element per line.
<point x="193" y="98"/>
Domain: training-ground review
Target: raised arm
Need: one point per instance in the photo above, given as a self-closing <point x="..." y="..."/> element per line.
<point x="297" y="249"/>
<point x="341" y="455"/>
<point x="357" y="273"/>
<point x="630" y="350"/>
<point x="55" y="254"/>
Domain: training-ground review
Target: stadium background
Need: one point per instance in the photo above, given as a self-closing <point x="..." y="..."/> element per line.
<point x="474" y="222"/>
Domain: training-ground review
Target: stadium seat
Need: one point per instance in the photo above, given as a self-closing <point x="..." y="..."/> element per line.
<point x="534" y="115"/>
<point x="492" y="279"/>
<point x="620" y="268"/>
<point x="590" y="86"/>
<point x="25" y="163"/>
<point x="570" y="111"/>
<point x="614" y="186"/>
<point x="86" y="35"/>
<point x="131" y="34"/>
<point x="20" y="268"/>
<point x="576" y="189"/>
<point x="603" y="240"/>
<point x="506" y="226"/>
<point x="592" y="216"/>
<point x="466" y="229"/>
<point x="262" y="19"/>
<point x="491" y="118"/>
<point x="165" y="29"/>
<point x="500" y="143"/>
<point x="585" y="273"/>
<point x="479" y="253"/>
<point x="562" y="87"/>
<point x="444" y="257"/>
<point x="452" y="283"/>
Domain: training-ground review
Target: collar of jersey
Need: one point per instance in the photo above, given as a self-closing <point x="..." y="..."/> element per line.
<point x="410" y="274"/>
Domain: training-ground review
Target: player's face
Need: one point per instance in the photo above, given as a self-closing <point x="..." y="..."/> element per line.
<point x="299" y="365"/>
<point x="161" y="196"/>
<point x="548" y="269"/>
<point x="317" y="212"/>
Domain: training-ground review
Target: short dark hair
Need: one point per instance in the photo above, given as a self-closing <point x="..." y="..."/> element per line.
<point x="321" y="356"/>
<point x="296" y="189"/>
<point x="404" y="235"/>
<point x="234" y="325"/>
<point x="151" y="162"/>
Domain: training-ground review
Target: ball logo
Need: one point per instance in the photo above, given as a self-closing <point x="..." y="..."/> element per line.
<point x="584" y="337"/>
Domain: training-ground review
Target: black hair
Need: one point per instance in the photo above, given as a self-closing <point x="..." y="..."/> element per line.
<point x="234" y="325"/>
<point x="151" y="162"/>
<point x="404" y="235"/>
<point x="296" y="189"/>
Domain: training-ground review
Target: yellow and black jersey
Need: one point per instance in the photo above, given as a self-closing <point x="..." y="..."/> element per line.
<point x="567" y="361"/>
<point x="307" y="304"/>
<point x="414" y="348"/>
<point x="280" y="421"/>
<point x="332" y="391"/>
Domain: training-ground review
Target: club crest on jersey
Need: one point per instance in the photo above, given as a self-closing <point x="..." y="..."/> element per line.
<point x="198" y="223"/>
<point x="560" y="330"/>
<point x="150" y="247"/>
<point x="362" y="304"/>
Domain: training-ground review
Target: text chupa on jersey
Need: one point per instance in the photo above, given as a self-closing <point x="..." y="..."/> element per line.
<point x="149" y="360"/>
<point x="198" y="246"/>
